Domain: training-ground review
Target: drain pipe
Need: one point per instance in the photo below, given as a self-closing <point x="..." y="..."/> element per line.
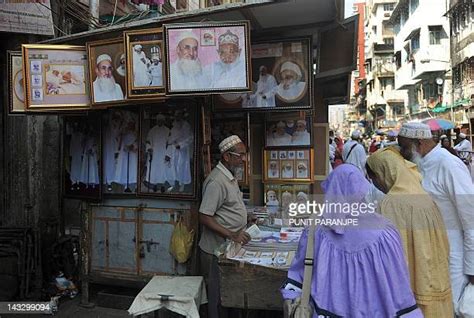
<point x="94" y="11"/>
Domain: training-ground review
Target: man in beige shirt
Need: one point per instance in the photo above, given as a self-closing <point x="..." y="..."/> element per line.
<point x="222" y="214"/>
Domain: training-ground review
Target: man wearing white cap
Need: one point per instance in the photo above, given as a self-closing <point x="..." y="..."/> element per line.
<point x="179" y="151"/>
<point x="186" y="72"/>
<point x="121" y="70"/>
<point x="141" y="76"/>
<point x="223" y="215"/>
<point x="464" y="149"/>
<point x="105" y="88"/>
<point x="447" y="180"/>
<point x="291" y="87"/>
<point x="279" y="137"/>
<point x="354" y="153"/>
<point x="158" y="170"/>
<point x="272" y="199"/>
<point x="156" y="67"/>
<point x="266" y="89"/>
<point x="230" y="70"/>
<point x="301" y="136"/>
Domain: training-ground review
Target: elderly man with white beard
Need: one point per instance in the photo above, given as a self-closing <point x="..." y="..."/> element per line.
<point x="266" y="89"/>
<point x="447" y="179"/>
<point x="230" y="70"/>
<point x="141" y="76"/>
<point x="105" y="88"/>
<point x="186" y="72"/>
<point x="291" y="87"/>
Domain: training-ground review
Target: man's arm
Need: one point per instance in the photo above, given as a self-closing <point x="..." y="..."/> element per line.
<point x="241" y="237"/>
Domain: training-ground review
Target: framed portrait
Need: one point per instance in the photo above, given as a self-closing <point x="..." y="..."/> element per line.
<point x="120" y="136"/>
<point x="281" y="78"/>
<point x="282" y="195"/>
<point x="295" y="165"/>
<point x="207" y="58"/>
<point x="82" y="157"/>
<point x="168" y="150"/>
<point x="145" y="63"/>
<point x="55" y="77"/>
<point x="223" y="127"/>
<point x="16" y="101"/>
<point x="288" y="130"/>
<point x="107" y="69"/>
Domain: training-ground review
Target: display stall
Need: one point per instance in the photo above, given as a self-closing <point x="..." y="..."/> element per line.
<point x="143" y="109"/>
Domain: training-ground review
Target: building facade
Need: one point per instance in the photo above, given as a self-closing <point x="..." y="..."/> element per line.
<point x="422" y="56"/>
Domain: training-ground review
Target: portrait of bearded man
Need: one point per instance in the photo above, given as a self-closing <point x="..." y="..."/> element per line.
<point x="291" y="87"/>
<point x="105" y="87"/>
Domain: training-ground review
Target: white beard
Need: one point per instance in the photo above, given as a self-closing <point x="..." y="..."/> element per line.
<point x="190" y="67"/>
<point x="106" y="85"/>
<point x="416" y="158"/>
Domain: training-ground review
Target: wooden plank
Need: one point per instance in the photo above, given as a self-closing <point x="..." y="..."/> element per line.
<point x="249" y="286"/>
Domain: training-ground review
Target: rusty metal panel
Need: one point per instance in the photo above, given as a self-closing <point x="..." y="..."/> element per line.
<point x="98" y="244"/>
<point x="157" y="259"/>
<point x="122" y="249"/>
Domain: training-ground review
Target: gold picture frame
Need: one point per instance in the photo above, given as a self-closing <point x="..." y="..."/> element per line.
<point x="288" y="165"/>
<point x="56" y="77"/>
<point x="109" y="57"/>
<point x="16" y="93"/>
<point x="151" y="46"/>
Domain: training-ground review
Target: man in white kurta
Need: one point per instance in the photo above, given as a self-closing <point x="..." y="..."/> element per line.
<point x="111" y="146"/>
<point x="105" y="87"/>
<point x="90" y="163"/>
<point x="156" y="67"/>
<point x="354" y="153"/>
<point x="464" y="148"/>
<point x="127" y="161"/>
<point x="76" y="150"/>
<point x="180" y="150"/>
<point x="301" y="136"/>
<point x="449" y="183"/>
<point x="266" y="89"/>
<point x="280" y="137"/>
<point x="187" y="73"/>
<point x="230" y="71"/>
<point x="158" y="170"/>
<point x="141" y="76"/>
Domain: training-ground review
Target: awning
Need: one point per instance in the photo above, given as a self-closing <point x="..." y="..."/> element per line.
<point x="413" y="33"/>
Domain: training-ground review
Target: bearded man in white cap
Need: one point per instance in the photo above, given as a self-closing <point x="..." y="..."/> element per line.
<point x="179" y="151"/>
<point x="156" y="67"/>
<point x="447" y="180"/>
<point x="266" y="89"/>
<point x="230" y="70"/>
<point x="222" y="214"/>
<point x="353" y="152"/>
<point x="280" y="137"/>
<point x="122" y="70"/>
<point x="301" y="136"/>
<point x="464" y="149"/>
<point x="141" y="76"/>
<point x="105" y="87"/>
<point x="291" y="87"/>
<point x="187" y="72"/>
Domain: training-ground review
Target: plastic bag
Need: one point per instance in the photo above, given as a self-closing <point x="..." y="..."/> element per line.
<point x="466" y="303"/>
<point x="181" y="242"/>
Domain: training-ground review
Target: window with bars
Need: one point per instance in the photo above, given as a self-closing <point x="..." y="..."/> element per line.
<point x="436" y="33"/>
<point x="388" y="6"/>
<point x="388" y="40"/>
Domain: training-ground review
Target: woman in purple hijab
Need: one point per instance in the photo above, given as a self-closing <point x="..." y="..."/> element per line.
<point x="359" y="270"/>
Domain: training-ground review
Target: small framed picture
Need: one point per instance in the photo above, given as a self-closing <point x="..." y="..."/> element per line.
<point x="282" y="155"/>
<point x="273" y="170"/>
<point x="16" y="96"/>
<point x="287" y="169"/>
<point x="106" y="63"/>
<point x="300" y="154"/>
<point x="291" y="155"/>
<point x="196" y="68"/>
<point x="145" y="63"/>
<point x="274" y="154"/>
<point x="302" y="169"/>
<point x="283" y="195"/>
<point x="272" y="194"/>
<point x="285" y="130"/>
<point x="55" y="77"/>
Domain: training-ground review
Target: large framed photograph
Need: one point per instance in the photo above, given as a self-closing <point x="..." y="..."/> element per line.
<point x="281" y="78"/>
<point x="168" y="150"/>
<point x="107" y="68"/>
<point x="145" y="63"/>
<point x="16" y="94"/>
<point x="289" y="165"/>
<point x="120" y="138"/>
<point x="223" y="127"/>
<point x="288" y="129"/>
<point x="207" y="58"/>
<point x="55" y="77"/>
<point x="82" y="157"/>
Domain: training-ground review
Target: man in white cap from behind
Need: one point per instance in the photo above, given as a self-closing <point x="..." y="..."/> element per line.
<point x="464" y="149"/>
<point x="291" y="87"/>
<point x="230" y="70"/>
<point x="222" y="214"/>
<point x="187" y="72"/>
<point x="156" y="67"/>
<point x="105" y="87"/>
<point x="141" y="76"/>
<point x="447" y="180"/>
<point x="353" y="151"/>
